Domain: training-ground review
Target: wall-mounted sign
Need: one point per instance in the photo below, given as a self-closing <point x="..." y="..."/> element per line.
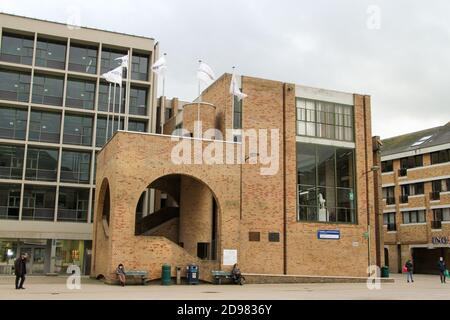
<point x="440" y="240"/>
<point x="229" y="257"/>
<point x="328" y="235"/>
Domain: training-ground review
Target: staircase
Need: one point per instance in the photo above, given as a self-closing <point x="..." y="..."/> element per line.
<point x="146" y="224"/>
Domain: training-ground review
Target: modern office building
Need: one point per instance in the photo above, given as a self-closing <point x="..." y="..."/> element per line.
<point x="53" y="121"/>
<point x="311" y="210"/>
<point x="416" y="192"/>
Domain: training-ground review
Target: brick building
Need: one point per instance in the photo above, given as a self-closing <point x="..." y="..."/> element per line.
<point x="416" y="195"/>
<point x="314" y="216"/>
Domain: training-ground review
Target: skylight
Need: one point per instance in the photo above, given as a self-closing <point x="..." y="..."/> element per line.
<point x="421" y="141"/>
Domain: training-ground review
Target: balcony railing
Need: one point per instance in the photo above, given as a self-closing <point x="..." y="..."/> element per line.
<point x="403" y="172"/>
<point x="435" y="195"/>
<point x="72" y="215"/>
<point x="9" y="213"/>
<point x="436" y="224"/>
<point x="404" y="199"/>
<point x="40" y="214"/>
<point x="390" y="200"/>
<point x="41" y="174"/>
<point x="391" y="227"/>
<point x="11" y="173"/>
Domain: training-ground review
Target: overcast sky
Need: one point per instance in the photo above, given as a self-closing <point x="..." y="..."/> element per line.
<point x="402" y="59"/>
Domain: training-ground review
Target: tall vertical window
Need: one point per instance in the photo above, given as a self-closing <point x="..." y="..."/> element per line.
<point x="77" y="130"/>
<point x="139" y="67"/>
<point x="387" y="166"/>
<point x="83" y="58"/>
<point x="42" y="164"/>
<point x="101" y="129"/>
<point x="11" y="162"/>
<point x="138" y="101"/>
<point x="110" y="62"/>
<point x="51" y="54"/>
<point x="80" y="94"/>
<point x="48" y="90"/>
<point x="73" y="204"/>
<point x="13" y="123"/>
<point x="325" y="120"/>
<point x="15" y="86"/>
<point x="237" y="113"/>
<point x="326" y="180"/>
<point x="9" y="201"/>
<point x="44" y="126"/>
<point x="389" y="195"/>
<point x="17" y="48"/>
<point x="75" y="166"/>
<point x="38" y="203"/>
<point x="389" y="221"/>
<point x="105" y="97"/>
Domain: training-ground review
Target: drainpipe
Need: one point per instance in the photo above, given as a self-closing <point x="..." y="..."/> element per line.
<point x="284" y="183"/>
<point x="367" y="182"/>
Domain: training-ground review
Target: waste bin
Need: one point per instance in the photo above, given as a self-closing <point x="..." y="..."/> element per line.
<point x="166" y="275"/>
<point x="192" y="274"/>
<point x="385" y="272"/>
<point x="178" y="275"/>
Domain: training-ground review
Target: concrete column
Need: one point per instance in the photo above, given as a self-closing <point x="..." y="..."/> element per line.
<point x="51" y="244"/>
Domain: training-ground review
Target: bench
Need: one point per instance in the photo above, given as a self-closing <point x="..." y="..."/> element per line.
<point x="219" y="275"/>
<point x="142" y="276"/>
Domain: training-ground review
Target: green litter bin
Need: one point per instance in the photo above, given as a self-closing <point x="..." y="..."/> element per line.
<point x="166" y="275"/>
<point x="385" y="272"/>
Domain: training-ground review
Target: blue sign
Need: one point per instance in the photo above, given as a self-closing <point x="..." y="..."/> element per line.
<point x="328" y="235"/>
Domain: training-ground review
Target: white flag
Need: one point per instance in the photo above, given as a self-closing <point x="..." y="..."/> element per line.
<point x="205" y="73"/>
<point x="114" y="76"/>
<point x="124" y="60"/>
<point x="160" y="66"/>
<point x="234" y="88"/>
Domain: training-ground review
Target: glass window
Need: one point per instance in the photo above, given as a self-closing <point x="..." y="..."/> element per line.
<point x="137" y="126"/>
<point x="138" y="101"/>
<point x="51" y="54"/>
<point x="326" y="178"/>
<point x="77" y="130"/>
<point x="110" y="62"/>
<point x="15" y="86"/>
<point x="39" y="203"/>
<point x="42" y="164"/>
<point x="139" y="67"/>
<point x="417" y="216"/>
<point x="440" y="156"/>
<point x="45" y="126"/>
<point x="13" y="123"/>
<point x="48" y="90"/>
<point x="390" y="221"/>
<point x="411" y="162"/>
<point x="17" y="48"/>
<point x="73" y="205"/>
<point x="105" y="96"/>
<point x="80" y="94"/>
<point x="83" y="58"/>
<point x="75" y="167"/>
<point x="101" y="129"/>
<point x="387" y="166"/>
<point x="237" y="117"/>
<point x="11" y="162"/>
<point x="9" y="201"/>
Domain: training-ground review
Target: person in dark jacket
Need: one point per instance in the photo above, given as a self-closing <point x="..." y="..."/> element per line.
<point x="409" y="271"/>
<point x="120" y="271"/>
<point x="20" y="270"/>
<point x="442" y="267"/>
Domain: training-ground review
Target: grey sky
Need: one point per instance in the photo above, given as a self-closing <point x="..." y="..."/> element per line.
<point x="404" y="65"/>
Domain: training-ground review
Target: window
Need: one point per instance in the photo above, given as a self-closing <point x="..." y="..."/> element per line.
<point x="389" y="221"/>
<point x="13" y="123"/>
<point x="139" y="67"/>
<point x="38" y="203"/>
<point x="101" y="129"/>
<point x="42" y="164"/>
<point x="11" y="162"/>
<point x="387" y="166"/>
<point x="417" y="216"/>
<point x="105" y="97"/>
<point x="48" y="90"/>
<point x="9" y="201"/>
<point x="17" y="48"/>
<point x="15" y="86"/>
<point x="110" y="62"/>
<point x="389" y="195"/>
<point x="440" y="156"/>
<point x="80" y="94"/>
<point x="326" y="179"/>
<point x="73" y="205"/>
<point x="442" y="214"/>
<point x="411" y="162"/>
<point x="254" y="236"/>
<point x="413" y="189"/>
<point x="324" y="120"/>
<point x="77" y="130"/>
<point x="51" y="54"/>
<point x="237" y="115"/>
<point x="45" y="126"/>
<point x="138" y="101"/>
<point x="75" y="167"/>
<point x="137" y="126"/>
<point x="83" y="58"/>
<point x="274" y="237"/>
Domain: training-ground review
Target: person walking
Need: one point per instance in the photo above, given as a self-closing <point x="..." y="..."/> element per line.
<point x="409" y="271"/>
<point x="120" y="271"/>
<point x="442" y="268"/>
<point x="20" y="270"/>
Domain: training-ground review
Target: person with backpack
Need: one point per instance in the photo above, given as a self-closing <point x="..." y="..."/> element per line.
<point x="442" y="269"/>
<point x="408" y="268"/>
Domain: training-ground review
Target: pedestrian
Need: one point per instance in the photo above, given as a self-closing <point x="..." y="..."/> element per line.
<point x="409" y="271"/>
<point x="20" y="270"/>
<point x="442" y="269"/>
<point x="120" y="271"/>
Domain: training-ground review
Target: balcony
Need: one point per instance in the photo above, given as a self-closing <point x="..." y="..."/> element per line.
<point x="403" y="172"/>
<point x="404" y="198"/>
<point x="390" y="201"/>
<point x="38" y="214"/>
<point x="435" y="195"/>
<point x="436" y="225"/>
<point x="9" y="213"/>
<point x="391" y="227"/>
<point x="72" y="215"/>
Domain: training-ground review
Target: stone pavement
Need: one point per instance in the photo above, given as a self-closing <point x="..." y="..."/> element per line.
<point x="424" y="287"/>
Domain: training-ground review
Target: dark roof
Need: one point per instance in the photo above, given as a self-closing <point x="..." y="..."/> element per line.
<point x="416" y="140"/>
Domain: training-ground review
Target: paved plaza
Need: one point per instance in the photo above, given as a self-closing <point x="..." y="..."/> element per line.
<point x="424" y="287"/>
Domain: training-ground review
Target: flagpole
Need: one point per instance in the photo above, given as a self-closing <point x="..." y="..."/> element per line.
<point x="120" y="106"/>
<point x="107" y="113"/>
<point x="198" y="104"/>
<point x="163" y="102"/>
<point x="232" y="103"/>
<point x="114" y="110"/>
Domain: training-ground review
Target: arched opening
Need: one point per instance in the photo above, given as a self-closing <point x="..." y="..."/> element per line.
<point x="184" y="210"/>
<point x="106" y="213"/>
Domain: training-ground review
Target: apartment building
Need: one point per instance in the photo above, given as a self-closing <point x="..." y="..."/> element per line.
<point x="416" y="195"/>
<point x="53" y="121"/>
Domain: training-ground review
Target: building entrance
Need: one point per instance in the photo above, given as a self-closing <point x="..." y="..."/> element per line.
<point x="426" y="260"/>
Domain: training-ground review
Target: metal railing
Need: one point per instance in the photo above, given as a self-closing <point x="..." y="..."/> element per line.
<point x="391" y="227"/>
<point x="9" y="213"/>
<point x="41" y="174"/>
<point x="435" y="195"/>
<point x="40" y="214"/>
<point x="437" y="224"/>
<point x="390" y="200"/>
<point x="11" y="172"/>
<point x="72" y="215"/>
<point x="404" y="198"/>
